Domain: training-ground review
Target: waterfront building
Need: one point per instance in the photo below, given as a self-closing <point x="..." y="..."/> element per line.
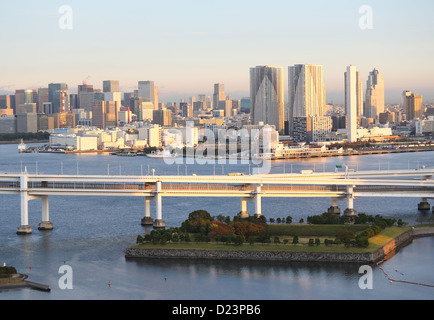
<point x="27" y="122"/>
<point x="45" y="122"/>
<point x="267" y="96"/>
<point x="374" y="100"/>
<point x="8" y="124"/>
<point x="413" y="105"/>
<point x="306" y="92"/>
<point x="64" y="120"/>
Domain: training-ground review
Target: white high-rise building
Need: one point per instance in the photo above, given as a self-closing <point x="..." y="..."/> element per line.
<point x="374" y="102"/>
<point x="306" y="92"/>
<point x="352" y="101"/>
<point x="267" y="96"/>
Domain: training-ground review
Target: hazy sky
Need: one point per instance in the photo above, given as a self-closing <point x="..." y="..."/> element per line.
<point x="187" y="46"/>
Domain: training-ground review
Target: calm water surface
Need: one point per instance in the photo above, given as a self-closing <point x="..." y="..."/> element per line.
<point x="91" y="233"/>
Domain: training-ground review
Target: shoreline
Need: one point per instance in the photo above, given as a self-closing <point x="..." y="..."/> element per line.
<point x="381" y="254"/>
<point x="21" y="283"/>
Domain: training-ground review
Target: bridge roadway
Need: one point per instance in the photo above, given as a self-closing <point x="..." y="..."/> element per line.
<point x="337" y="186"/>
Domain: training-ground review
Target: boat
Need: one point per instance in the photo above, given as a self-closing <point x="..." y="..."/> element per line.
<point x="22" y="147"/>
<point x="161" y="154"/>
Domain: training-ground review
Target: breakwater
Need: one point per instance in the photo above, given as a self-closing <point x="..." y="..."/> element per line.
<point x="382" y="253"/>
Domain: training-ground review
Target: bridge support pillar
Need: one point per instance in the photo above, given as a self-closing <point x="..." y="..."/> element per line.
<point x="147" y="220"/>
<point x="24" y="228"/>
<point x="243" y="213"/>
<point x="349" y="211"/>
<point x="334" y="209"/>
<point x="424" y="205"/>
<point x="45" y="224"/>
<point x="258" y="202"/>
<point x="159" y="223"/>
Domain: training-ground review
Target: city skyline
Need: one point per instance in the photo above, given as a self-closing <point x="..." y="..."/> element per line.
<point x="187" y="48"/>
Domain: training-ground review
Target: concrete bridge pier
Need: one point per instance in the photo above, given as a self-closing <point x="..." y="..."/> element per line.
<point x="244" y="213"/>
<point x="24" y="228"/>
<point x="334" y="209"/>
<point x="45" y="224"/>
<point x="159" y="222"/>
<point x="424" y="205"/>
<point x="258" y="201"/>
<point x="349" y="211"/>
<point x="147" y="219"/>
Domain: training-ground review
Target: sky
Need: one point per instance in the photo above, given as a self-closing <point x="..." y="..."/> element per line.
<point x="187" y="46"/>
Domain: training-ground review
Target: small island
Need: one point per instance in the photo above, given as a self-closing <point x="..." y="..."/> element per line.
<point x="324" y="238"/>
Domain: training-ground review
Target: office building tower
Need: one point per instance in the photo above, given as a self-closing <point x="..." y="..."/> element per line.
<point x="374" y="100"/>
<point x="30" y="96"/>
<point x="162" y="117"/>
<point x="58" y="95"/>
<point x="306" y="92"/>
<point x="148" y="91"/>
<point x="43" y="97"/>
<point x="64" y="120"/>
<point x="110" y="86"/>
<point x="27" y="122"/>
<point x="413" y="105"/>
<point x="219" y="95"/>
<point x="86" y="97"/>
<point x="226" y="106"/>
<point x="267" y="96"/>
<point x="351" y="101"/>
<point x="7" y="101"/>
<point x="105" y="114"/>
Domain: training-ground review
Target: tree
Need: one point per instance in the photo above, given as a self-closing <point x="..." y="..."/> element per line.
<point x="345" y="236"/>
<point x="295" y="240"/>
<point x="288" y="220"/>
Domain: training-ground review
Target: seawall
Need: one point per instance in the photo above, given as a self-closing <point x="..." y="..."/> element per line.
<point x="297" y="256"/>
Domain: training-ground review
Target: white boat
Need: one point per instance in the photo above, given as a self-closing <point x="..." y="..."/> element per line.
<point x="22" y="147"/>
<point x="161" y="154"/>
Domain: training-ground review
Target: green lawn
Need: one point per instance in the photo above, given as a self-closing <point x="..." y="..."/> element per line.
<point x="313" y="231"/>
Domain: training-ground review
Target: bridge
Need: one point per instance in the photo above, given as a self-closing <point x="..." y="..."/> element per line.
<point x="346" y="186"/>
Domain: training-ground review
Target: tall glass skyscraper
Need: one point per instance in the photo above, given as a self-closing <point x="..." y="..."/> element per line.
<point x="58" y="95"/>
<point x="306" y="91"/>
<point x="374" y="102"/>
<point x="267" y="96"/>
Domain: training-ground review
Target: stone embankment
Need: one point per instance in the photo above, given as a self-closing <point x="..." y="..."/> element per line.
<point x="348" y="257"/>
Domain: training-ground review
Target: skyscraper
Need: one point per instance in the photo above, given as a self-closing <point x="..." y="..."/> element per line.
<point x="306" y="92"/>
<point x="58" y="95"/>
<point x="267" y="96"/>
<point x="110" y="86"/>
<point x="352" y="101"/>
<point x="413" y="104"/>
<point x="219" y="95"/>
<point x="374" y="102"/>
<point x="148" y="91"/>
